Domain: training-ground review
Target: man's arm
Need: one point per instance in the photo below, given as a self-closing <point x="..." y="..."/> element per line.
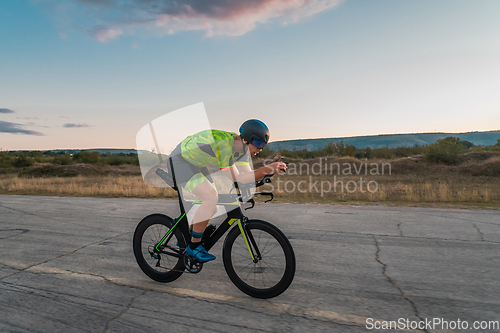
<point x="245" y="174"/>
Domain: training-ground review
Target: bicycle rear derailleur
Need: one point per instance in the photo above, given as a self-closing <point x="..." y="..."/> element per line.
<point x="191" y="264"/>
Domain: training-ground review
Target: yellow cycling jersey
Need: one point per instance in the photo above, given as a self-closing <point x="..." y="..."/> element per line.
<point x="211" y="147"/>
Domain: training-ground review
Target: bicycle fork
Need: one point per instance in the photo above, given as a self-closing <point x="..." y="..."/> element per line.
<point x="247" y="236"/>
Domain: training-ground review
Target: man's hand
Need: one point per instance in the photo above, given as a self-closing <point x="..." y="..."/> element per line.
<point x="275" y="167"/>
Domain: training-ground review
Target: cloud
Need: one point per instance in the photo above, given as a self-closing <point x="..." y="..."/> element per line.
<point x="65" y="117"/>
<point x="108" y="19"/>
<point x="3" y="110"/>
<point x="75" y="125"/>
<point x="36" y="125"/>
<point x="8" y="127"/>
<point x="62" y="34"/>
<point x="103" y="35"/>
<point x="28" y="118"/>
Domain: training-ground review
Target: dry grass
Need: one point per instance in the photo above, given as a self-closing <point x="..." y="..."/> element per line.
<point x="95" y="186"/>
<point x="475" y="182"/>
<point x="393" y="188"/>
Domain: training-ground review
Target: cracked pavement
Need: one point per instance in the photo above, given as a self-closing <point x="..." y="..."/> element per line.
<point x="67" y="265"/>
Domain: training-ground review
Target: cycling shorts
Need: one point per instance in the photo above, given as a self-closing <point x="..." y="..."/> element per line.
<point x="187" y="175"/>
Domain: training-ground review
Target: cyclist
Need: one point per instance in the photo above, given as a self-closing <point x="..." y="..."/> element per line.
<point x="229" y="152"/>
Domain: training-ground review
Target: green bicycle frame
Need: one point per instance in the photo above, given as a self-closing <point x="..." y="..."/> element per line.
<point x="234" y="215"/>
<point x="169" y="232"/>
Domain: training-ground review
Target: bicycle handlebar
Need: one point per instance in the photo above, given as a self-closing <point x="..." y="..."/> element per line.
<point x="264" y="180"/>
<point x="245" y="192"/>
<point x="266" y="193"/>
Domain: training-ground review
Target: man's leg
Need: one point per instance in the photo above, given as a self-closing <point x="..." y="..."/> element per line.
<point x="215" y="212"/>
<point x="208" y="197"/>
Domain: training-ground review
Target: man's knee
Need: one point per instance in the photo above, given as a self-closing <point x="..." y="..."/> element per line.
<point x="211" y="198"/>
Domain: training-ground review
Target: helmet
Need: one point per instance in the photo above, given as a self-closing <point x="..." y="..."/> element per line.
<point x="255" y="132"/>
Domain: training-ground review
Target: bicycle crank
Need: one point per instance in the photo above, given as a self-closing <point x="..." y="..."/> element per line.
<point x="192" y="265"/>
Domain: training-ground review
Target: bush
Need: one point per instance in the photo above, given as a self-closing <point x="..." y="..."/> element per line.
<point x="266" y="152"/>
<point x="63" y="159"/>
<point x="89" y="157"/>
<point x="408" y="151"/>
<point x="115" y="160"/>
<point x="447" y="150"/>
<point x="5" y="160"/>
<point x="329" y="149"/>
<point x="338" y="149"/>
<point x="496" y="146"/>
<point x="289" y="154"/>
<point x="383" y="153"/>
<point x="118" y="159"/>
<point x="37" y="156"/>
<point x="22" y="161"/>
<point x="364" y="153"/>
<point x="368" y="153"/>
<point x="467" y="144"/>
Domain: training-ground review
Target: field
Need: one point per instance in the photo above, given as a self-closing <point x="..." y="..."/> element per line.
<point x="474" y="182"/>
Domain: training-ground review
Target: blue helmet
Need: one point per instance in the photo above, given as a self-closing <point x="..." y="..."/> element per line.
<point x="255" y="132"/>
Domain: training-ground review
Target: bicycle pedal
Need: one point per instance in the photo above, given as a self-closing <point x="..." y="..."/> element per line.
<point x="191" y="264"/>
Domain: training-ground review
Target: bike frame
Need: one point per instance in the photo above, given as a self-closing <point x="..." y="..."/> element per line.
<point x="233" y="215"/>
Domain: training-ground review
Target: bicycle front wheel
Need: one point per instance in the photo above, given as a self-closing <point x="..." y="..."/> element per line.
<point x="267" y="276"/>
<point x="158" y="249"/>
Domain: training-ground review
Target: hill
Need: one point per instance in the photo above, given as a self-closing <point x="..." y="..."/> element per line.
<point x="486" y="138"/>
<point x="99" y="150"/>
<point x="390" y="140"/>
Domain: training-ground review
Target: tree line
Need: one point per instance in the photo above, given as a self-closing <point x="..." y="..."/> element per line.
<point x="448" y="151"/>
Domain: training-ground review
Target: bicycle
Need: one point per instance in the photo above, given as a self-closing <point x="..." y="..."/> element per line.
<point x="257" y="256"/>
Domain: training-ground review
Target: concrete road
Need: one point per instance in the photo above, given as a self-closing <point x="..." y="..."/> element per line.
<point x="66" y="265"/>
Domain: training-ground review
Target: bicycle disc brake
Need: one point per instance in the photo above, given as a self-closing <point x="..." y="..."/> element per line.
<point x="192" y="265"/>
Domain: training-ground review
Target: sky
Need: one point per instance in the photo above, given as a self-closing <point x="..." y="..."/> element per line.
<point x="77" y="74"/>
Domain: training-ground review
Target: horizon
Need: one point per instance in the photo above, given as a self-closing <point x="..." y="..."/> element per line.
<point x="318" y="69"/>
<point x="324" y="138"/>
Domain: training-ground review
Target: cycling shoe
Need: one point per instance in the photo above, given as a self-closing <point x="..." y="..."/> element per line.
<point x="200" y="253"/>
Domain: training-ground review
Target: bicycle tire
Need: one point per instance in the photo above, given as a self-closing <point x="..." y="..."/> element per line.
<point x="267" y="280"/>
<point x="147" y="234"/>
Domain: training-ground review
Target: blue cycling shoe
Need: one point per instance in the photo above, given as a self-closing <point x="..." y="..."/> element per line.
<point x="200" y="253"/>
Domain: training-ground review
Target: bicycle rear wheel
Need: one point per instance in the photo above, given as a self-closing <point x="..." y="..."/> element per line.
<point x="161" y="262"/>
<point x="273" y="273"/>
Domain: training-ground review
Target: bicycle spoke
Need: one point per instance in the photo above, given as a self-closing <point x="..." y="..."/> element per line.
<point x="263" y="249"/>
<point x="262" y="275"/>
<point x="267" y="264"/>
<point x="276" y="246"/>
<point x="250" y="263"/>
<point x="247" y="255"/>
<point x="249" y="272"/>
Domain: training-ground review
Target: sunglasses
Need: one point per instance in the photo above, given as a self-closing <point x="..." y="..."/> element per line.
<point x="258" y="143"/>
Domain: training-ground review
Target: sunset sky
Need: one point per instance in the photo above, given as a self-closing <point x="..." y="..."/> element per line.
<point x="80" y="74"/>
